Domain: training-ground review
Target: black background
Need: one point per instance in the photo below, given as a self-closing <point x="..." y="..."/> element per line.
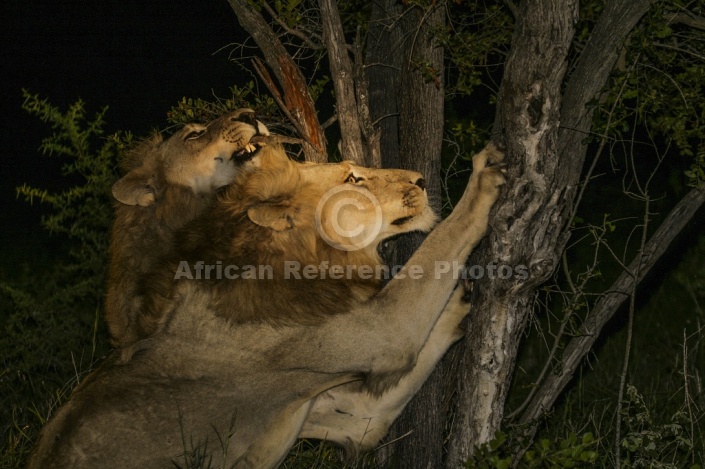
<point x="137" y="57"/>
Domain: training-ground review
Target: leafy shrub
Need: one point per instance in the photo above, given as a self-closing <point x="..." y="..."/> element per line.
<point x="52" y="319"/>
<point x="652" y="445"/>
<point x="571" y="451"/>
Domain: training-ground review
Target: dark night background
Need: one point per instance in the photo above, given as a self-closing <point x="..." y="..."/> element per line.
<point x="139" y="58"/>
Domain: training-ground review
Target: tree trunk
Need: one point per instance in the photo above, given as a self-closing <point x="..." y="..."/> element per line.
<point x="420" y="130"/>
<point x="341" y="70"/>
<point x="531" y="223"/>
<point x="421" y="101"/>
<point x="383" y="71"/>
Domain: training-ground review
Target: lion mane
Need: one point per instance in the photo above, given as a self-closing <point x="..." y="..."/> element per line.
<point x="167" y="183"/>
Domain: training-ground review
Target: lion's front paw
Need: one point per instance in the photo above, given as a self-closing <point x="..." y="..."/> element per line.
<point x="492" y="154"/>
<point x="491" y="179"/>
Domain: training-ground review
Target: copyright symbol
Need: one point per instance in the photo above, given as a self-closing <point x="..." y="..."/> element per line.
<point x="348" y="217"/>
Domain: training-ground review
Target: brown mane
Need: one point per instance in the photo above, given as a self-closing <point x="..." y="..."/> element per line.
<point x="225" y="234"/>
<point x="167" y="183"/>
<point x="141" y="235"/>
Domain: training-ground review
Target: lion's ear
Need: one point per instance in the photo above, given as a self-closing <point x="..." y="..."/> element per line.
<point x="276" y="217"/>
<point x="135" y="188"/>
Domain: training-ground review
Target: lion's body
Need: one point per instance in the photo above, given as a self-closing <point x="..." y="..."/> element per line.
<point x="168" y="183"/>
<point x="244" y="381"/>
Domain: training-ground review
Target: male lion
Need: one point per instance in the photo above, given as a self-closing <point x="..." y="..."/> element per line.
<point x="238" y="363"/>
<point x="168" y="183"/>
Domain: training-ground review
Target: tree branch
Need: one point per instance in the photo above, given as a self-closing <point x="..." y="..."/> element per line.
<point x="341" y="70"/>
<point x="370" y="132"/>
<point x="589" y="76"/>
<point x="266" y="78"/>
<point x="607" y="306"/>
<point x="696" y="22"/>
<point x="305" y="37"/>
<point x="298" y="102"/>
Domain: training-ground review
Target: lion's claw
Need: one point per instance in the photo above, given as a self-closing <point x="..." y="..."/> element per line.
<point x="467" y="285"/>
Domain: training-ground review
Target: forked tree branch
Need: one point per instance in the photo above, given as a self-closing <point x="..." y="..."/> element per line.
<point x="297" y="100"/>
<point x="608" y="305"/>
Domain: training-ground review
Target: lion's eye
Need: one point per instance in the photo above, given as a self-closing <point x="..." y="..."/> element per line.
<point x="194" y="134"/>
<point x="351" y="179"/>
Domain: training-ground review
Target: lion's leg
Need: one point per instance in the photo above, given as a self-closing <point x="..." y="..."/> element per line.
<point x="383" y="337"/>
<point x="271" y="448"/>
<point x="356" y="420"/>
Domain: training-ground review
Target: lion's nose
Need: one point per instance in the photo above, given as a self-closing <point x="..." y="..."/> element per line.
<point x="421" y="182"/>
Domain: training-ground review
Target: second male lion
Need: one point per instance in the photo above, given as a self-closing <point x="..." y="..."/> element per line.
<point x="168" y="183"/>
<point x="235" y="364"/>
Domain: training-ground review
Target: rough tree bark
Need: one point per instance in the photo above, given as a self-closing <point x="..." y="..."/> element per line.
<point x="531" y="223"/>
<point x="529" y="220"/>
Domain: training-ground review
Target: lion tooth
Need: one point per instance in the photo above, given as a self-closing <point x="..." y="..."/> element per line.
<point x="250" y="148"/>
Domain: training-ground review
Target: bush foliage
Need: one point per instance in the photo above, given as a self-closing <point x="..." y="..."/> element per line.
<point x="52" y="320"/>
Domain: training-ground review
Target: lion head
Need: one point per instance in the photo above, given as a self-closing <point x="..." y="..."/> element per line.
<point x="167" y="184"/>
<point x="359" y="207"/>
<point x="335" y="211"/>
<point x="199" y="157"/>
<point x="313" y="228"/>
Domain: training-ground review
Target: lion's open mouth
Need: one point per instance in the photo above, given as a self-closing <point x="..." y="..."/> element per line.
<point x="388" y="246"/>
<point x="246" y="154"/>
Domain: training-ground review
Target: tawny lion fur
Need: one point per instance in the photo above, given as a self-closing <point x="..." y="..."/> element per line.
<point x="219" y="376"/>
<point x="167" y="184"/>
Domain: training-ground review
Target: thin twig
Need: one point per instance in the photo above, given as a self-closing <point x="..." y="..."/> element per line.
<point x="687" y="392"/>
<point x="630" y="332"/>
<point x="603" y="140"/>
<point x="305" y="37"/>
